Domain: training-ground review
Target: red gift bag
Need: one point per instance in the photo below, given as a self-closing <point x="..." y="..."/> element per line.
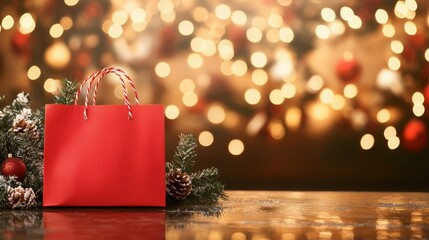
<point x="104" y="155"/>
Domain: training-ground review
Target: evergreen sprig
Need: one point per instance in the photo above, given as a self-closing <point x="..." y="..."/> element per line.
<point x="207" y="188"/>
<point x="184" y="156"/>
<point x="67" y="92"/>
<point x="22" y="145"/>
<point x="6" y="182"/>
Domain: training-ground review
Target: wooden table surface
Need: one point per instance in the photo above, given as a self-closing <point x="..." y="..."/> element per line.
<point x="254" y="215"/>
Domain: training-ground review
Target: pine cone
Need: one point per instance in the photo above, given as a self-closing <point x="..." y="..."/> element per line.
<point x="179" y="184"/>
<point x="25" y="126"/>
<point x="20" y="197"/>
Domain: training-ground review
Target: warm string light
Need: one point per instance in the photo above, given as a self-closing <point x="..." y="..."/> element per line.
<point x="268" y="68"/>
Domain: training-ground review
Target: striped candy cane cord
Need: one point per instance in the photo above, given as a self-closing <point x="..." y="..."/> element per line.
<point x="118" y="72"/>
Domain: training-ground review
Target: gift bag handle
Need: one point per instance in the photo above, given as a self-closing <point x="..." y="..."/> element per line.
<point x="118" y="72"/>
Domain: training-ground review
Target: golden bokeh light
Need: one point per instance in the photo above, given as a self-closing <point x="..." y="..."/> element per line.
<point x="383" y="115"/>
<point x="165" y="6"/>
<point x="346" y="13"/>
<point x="328" y="14"/>
<point x="34" y="72"/>
<point x="400" y="9"/>
<point x="168" y="17"/>
<point x="259" y="22"/>
<point x="355" y="22"/>
<point x="252" y="96"/>
<point x="7" y="22"/>
<point x="410" y="28"/>
<point x="338" y="102"/>
<point x="288" y="90"/>
<point x="367" y="141"/>
<point x="272" y="35"/>
<point x="239" y="68"/>
<point x="200" y="14"/>
<point x="27" y="23"/>
<point x="254" y="34"/>
<point x="225" y="49"/>
<point x="239" y="18"/>
<point x="319" y="111"/>
<point x="186" y="28"/>
<point x="138" y="15"/>
<point x="172" y="112"/>
<point x="118" y="92"/>
<point x="276" y="129"/>
<point x="236" y="147"/>
<point x="57" y="55"/>
<point x="56" y="30"/>
<point x="418" y="98"/>
<point x="209" y="48"/>
<point x="350" y="90"/>
<point x="258" y="59"/>
<point x="388" y="30"/>
<point x="119" y="17"/>
<point x="326" y="96"/>
<point x="322" y="31"/>
<point x="223" y="11"/>
<point x="315" y="83"/>
<point x="216" y="114"/>
<point x="190" y="99"/>
<point x="393" y="143"/>
<point x="51" y="85"/>
<point x="162" y="69"/>
<point x="186" y="85"/>
<point x="394" y="63"/>
<point x="195" y="60"/>
<point x="381" y="16"/>
<point x="115" y="31"/>
<point x="418" y="110"/>
<point x="276" y="97"/>
<point x="66" y="22"/>
<point x="275" y="20"/>
<point x="285" y="3"/>
<point x="225" y="68"/>
<point x="293" y="117"/>
<point x="205" y="138"/>
<point x="389" y="132"/>
<point x="286" y="34"/>
<point x="396" y="46"/>
<point x="337" y="27"/>
<point x="71" y="3"/>
<point x="259" y="77"/>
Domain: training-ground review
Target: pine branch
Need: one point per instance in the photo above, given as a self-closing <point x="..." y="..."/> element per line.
<point x="184" y="155"/>
<point x="4" y="183"/>
<point x="207" y="186"/>
<point x="67" y="93"/>
<point x="22" y="144"/>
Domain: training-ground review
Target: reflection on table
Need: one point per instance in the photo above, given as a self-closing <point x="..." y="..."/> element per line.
<point x="245" y="215"/>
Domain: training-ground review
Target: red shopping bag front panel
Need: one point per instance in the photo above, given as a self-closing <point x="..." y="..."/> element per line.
<point x="106" y="160"/>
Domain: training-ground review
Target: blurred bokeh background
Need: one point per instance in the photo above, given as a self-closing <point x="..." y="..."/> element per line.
<point x="280" y="94"/>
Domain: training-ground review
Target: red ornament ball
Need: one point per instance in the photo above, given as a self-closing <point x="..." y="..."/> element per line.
<point x="13" y="166"/>
<point x="415" y="136"/>
<point x="348" y="69"/>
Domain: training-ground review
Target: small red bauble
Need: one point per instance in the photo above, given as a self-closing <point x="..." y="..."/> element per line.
<point x="13" y="166"/>
<point x="415" y="136"/>
<point x="348" y="69"/>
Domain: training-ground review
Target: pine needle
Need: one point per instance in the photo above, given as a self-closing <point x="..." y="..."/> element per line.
<point x="67" y="93"/>
<point x="207" y="188"/>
